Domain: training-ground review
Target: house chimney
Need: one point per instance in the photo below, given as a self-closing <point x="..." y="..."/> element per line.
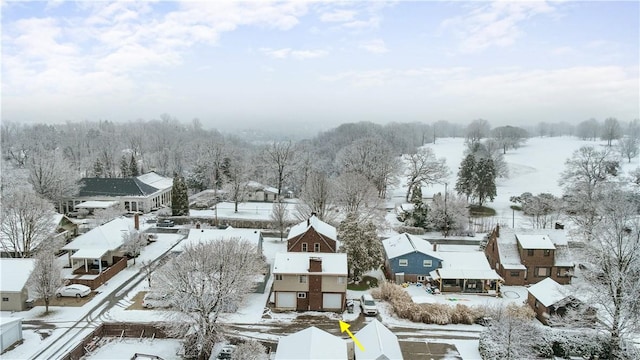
<point x="315" y="264"/>
<point x="136" y="221"/>
<point x="435" y="247"/>
<point x="497" y="231"/>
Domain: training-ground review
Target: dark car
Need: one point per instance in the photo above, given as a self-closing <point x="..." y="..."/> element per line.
<point x="166" y="223"/>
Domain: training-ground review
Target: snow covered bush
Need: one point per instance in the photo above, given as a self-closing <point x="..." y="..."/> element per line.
<point x="250" y="350"/>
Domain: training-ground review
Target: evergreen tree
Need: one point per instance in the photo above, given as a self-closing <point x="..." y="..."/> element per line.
<point x="124" y="167"/>
<point x="420" y="210"/>
<point x="179" y="197"/>
<point x="98" y="169"/>
<point x="198" y="178"/>
<point x="133" y="166"/>
<point x="465" y="183"/>
<point x="485" y="181"/>
<point x="360" y="242"/>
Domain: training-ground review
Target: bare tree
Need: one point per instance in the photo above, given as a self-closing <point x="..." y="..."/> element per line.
<point x="250" y="350"/>
<point x="205" y="280"/>
<point x="424" y="169"/>
<point x="103" y="216"/>
<point x="280" y="157"/>
<point x="477" y="130"/>
<point x="27" y="222"/>
<point x="355" y="193"/>
<point x="450" y="215"/>
<point x="510" y="334"/>
<point x="613" y="269"/>
<point x="133" y="242"/>
<point x="51" y="175"/>
<point x="318" y="195"/>
<point x="46" y="277"/>
<point x="279" y="217"/>
<point x="611" y="130"/>
<point x="237" y="180"/>
<point x="629" y="147"/>
<point x="509" y="137"/>
<point x="588" y="129"/>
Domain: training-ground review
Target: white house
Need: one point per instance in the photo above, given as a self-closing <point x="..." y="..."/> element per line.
<point x="311" y="344"/>
<point x="379" y="343"/>
<point x="10" y="332"/>
<point x="14" y="274"/>
<point x="196" y="236"/>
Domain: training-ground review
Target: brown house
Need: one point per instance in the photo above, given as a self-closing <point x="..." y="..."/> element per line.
<point x="313" y="235"/>
<point x="548" y="298"/>
<point x="304" y="281"/>
<point x="524" y="257"/>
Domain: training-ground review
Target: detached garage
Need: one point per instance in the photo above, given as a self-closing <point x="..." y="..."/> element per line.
<point x="286" y="300"/>
<point x="332" y="301"/>
<point x="10" y="332"/>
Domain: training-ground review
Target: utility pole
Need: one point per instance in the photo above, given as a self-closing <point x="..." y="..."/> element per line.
<point x="446" y="217"/>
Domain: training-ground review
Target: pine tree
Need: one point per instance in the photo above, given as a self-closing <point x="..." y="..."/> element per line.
<point x="179" y="197"/>
<point x="98" y="169"/>
<point x="465" y="183"/>
<point x="420" y="210"/>
<point x="124" y="167"/>
<point x="133" y="166"/>
<point x="360" y="242"/>
<point x="485" y="181"/>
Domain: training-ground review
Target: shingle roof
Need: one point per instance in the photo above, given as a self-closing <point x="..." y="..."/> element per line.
<point x="313" y="222"/>
<point x="378" y="342"/>
<point x="404" y="243"/>
<point x="548" y="292"/>
<point x="311" y="343"/>
<point x="114" y="187"/>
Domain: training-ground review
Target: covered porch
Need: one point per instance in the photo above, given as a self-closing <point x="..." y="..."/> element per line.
<point x="467" y="281"/>
<point x="91" y="261"/>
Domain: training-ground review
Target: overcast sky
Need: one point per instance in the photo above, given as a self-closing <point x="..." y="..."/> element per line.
<point x="280" y="64"/>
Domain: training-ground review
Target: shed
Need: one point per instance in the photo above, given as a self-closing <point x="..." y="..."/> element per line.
<point x="14" y="274"/>
<point x="379" y="343"/>
<point x="311" y="343"/>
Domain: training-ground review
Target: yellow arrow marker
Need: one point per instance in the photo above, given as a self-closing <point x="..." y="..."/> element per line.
<point x="345" y="327"/>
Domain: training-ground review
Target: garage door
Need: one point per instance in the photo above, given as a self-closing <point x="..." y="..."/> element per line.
<point x="332" y="301"/>
<point x="286" y="300"/>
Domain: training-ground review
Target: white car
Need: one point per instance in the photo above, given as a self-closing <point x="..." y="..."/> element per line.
<point x="155" y="300"/>
<point x="368" y="305"/>
<point x="73" y="290"/>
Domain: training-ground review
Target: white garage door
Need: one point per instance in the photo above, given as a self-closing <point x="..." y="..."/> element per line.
<point x="286" y="300"/>
<point x="332" y="301"/>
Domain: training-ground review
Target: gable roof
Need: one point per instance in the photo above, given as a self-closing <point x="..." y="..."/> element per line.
<point x="313" y="222"/>
<point x="535" y="241"/>
<point x="311" y="343"/>
<point x="157" y="181"/>
<point x="404" y="243"/>
<point x="104" y="238"/>
<point x="197" y="236"/>
<point x="464" y="265"/>
<point x="298" y="263"/>
<point x="548" y="292"/>
<point x="114" y="187"/>
<point x="378" y="341"/>
<point x="14" y="273"/>
<point x="508" y="246"/>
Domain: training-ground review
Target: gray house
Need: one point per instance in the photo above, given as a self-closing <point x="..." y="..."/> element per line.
<point x="409" y="258"/>
<point x="14" y="274"/>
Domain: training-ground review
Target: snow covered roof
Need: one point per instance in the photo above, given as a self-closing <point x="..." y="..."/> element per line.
<point x="406" y="243"/>
<point x="378" y="342"/>
<point x="96" y="204"/>
<point x="535" y="241"/>
<point x="114" y="187"/>
<point x="563" y="257"/>
<point x="90" y="253"/>
<point x="197" y="236"/>
<point x="258" y="186"/>
<point x="465" y="265"/>
<point x="107" y="236"/>
<point x="548" y="292"/>
<point x="14" y="273"/>
<point x="508" y="248"/>
<point x="298" y="263"/>
<point x="156" y="181"/>
<point x="311" y="343"/>
<point x="313" y="222"/>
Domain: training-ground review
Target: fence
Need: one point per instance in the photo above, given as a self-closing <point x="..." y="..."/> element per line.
<point x="104" y="276"/>
<point x="261" y="285"/>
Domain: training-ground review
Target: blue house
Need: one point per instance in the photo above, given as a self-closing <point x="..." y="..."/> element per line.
<point x="409" y="258"/>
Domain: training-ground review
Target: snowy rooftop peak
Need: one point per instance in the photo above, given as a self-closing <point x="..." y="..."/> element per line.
<point x="311" y="343"/>
<point x="548" y="292"/>
<point x="379" y="342"/>
<point x="298" y="263"/>
<point x="313" y="222"/>
<point x="537" y="241"/>
<point x="404" y="243"/>
<point x="14" y="273"/>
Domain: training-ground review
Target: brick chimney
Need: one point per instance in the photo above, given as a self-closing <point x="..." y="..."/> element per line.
<point x="315" y="264"/>
<point x="136" y="221"/>
<point x="435" y="247"/>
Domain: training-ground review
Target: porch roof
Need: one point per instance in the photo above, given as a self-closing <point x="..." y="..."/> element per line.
<point x="90" y="253"/>
<point x="473" y="274"/>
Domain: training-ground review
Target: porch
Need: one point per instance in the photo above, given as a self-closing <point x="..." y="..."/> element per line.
<point x="467" y="281"/>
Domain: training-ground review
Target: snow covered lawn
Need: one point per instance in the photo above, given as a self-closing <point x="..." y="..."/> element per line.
<point x="246" y="210"/>
<point x="511" y="294"/>
<point x="115" y="348"/>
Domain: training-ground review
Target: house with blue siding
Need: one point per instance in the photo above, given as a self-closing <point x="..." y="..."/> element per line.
<point x="409" y="258"/>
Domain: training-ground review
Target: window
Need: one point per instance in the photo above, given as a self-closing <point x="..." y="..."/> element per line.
<point x="302" y="295"/>
<point x="530" y="252"/>
<point x="278" y="277"/>
<point x="341" y="279"/>
<point x="403" y="262"/>
<point x="304" y="247"/>
<point x="5" y="299"/>
<point x="421" y="278"/>
<point x="542" y="272"/>
<point x="303" y="279"/>
<point x="515" y="274"/>
<point x="316" y="247"/>
<point x="547" y="252"/>
<point x="537" y="303"/>
<point x="427" y="263"/>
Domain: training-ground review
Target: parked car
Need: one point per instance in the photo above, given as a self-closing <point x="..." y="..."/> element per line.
<point x="73" y="290"/>
<point x="154" y="300"/>
<point x="166" y="223"/>
<point x="226" y="352"/>
<point x="368" y="305"/>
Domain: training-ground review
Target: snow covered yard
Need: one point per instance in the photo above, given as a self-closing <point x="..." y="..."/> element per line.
<point x="511" y="294"/>
<point x="115" y="348"/>
<point x="246" y="210"/>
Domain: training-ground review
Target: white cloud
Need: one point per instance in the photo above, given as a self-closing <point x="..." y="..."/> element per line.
<point x="494" y="24"/>
<point x="376" y="46"/>
<point x="291" y="53"/>
<point x="338" y="16"/>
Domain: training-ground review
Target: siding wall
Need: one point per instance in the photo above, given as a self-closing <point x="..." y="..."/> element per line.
<point x="16" y="300"/>
<point x="415" y="264"/>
